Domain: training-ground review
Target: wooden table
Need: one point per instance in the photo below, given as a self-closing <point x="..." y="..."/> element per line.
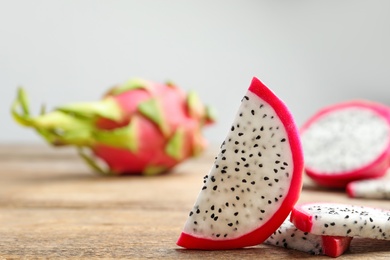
<point x="52" y="206"/>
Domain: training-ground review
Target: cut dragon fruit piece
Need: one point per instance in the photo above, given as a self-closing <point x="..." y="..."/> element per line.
<point x="369" y="189"/>
<point x="288" y="236"/>
<point x="333" y="219"/>
<point x="255" y="180"/>
<point x="345" y="142"/>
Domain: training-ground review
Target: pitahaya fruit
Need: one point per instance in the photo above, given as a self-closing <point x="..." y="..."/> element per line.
<point x="345" y="142"/>
<point x="139" y="127"/>
<point x="288" y="236"/>
<point x="255" y="180"/>
<point x="333" y="219"/>
<point x="370" y="189"/>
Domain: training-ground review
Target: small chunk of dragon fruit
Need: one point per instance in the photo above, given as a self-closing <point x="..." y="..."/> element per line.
<point x="255" y="181"/>
<point x="288" y="236"/>
<point x="334" y="219"/>
<point x="378" y="188"/>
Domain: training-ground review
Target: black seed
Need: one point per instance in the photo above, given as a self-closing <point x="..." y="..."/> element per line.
<point x="236" y="150"/>
<point x="223" y="171"/>
<point x="212" y="215"/>
<point x="232" y="188"/>
<point x="204" y="187"/>
<point x="236" y="142"/>
<point x="212" y="207"/>
<point x="275" y="170"/>
<point x="243" y="158"/>
<point x="253" y="182"/>
<point x="216" y="218"/>
<point x="247" y="98"/>
<point x="212" y="178"/>
<point x="269" y="202"/>
<point x="262" y="128"/>
<point x="235" y="213"/>
<point x="196" y="223"/>
<point x="349" y="231"/>
<point x="276" y="180"/>
<point x="259" y="154"/>
<point x="230" y="224"/>
<point x="260" y="165"/>
<point x="277" y="162"/>
<point x="326" y="225"/>
<point x="246" y="165"/>
<point x="258" y="137"/>
<point x="197" y="211"/>
<point x="237" y="198"/>
<point x="240" y="134"/>
<point x="256" y="145"/>
<point x="283" y="140"/>
<point x="265" y="115"/>
<point x="332" y="224"/>
<point x="191" y="213"/>
<point x="232" y="128"/>
<point x="266" y="178"/>
<point x="243" y="180"/>
<point x="253" y="112"/>
<point x="215" y="187"/>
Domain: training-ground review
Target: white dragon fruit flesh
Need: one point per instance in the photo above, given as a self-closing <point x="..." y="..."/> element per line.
<point x="288" y="236"/>
<point x="333" y="219"/>
<point x="370" y="189"/>
<point x="346" y="142"/>
<point x="255" y="181"/>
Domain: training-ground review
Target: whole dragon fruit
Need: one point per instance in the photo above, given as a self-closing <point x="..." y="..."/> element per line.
<point x="139" y="127"/>
<point x="255" y="181"/>
<point x="346" y="142"/>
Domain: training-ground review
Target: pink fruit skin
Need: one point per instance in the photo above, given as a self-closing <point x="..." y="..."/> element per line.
<point x="150" y="138"/>
<point x="375" y="169"/>
<point x="260" y="234"/>
<point x="335" y="246"/>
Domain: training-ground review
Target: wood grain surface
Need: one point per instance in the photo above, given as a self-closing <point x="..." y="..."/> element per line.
<point x="53" y="206"/>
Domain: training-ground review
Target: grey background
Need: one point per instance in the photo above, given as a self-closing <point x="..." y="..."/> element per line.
<point x="310" y="53"/>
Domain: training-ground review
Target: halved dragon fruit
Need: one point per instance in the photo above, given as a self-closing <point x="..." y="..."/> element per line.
<point x="333" y="219"/>
<point x="255" y="180"/>
<point x="378" y="188"/>
<point x="347" y="141"/>
<point x="288" y="236"/>
<point x="139" y="127"/>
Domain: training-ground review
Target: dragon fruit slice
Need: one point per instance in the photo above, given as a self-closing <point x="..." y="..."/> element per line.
<point x="139" y="127"/>
<point x="345" y="142"/>
<point x="288" y="236"/>
<point x="255" y="180"/>
<point x="369" y="189"/>
<point x="333" y="219"/>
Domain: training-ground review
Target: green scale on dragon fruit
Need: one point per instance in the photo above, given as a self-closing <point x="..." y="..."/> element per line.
<point x="333" y="219"/>
<point x="255" y="180"/>
<point x="346" y="142"/>
<point x="288" y="236"/>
